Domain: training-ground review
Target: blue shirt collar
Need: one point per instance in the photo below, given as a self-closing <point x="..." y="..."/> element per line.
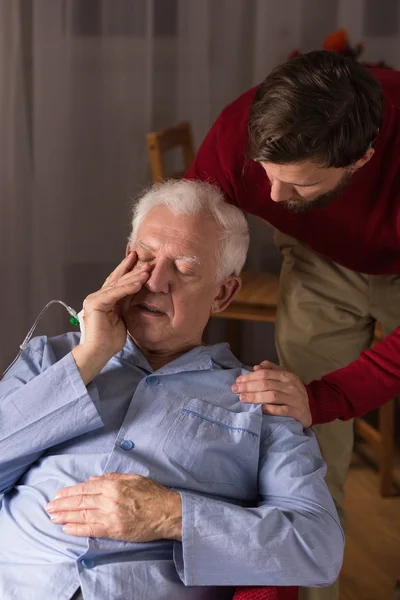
<point x="200" y="358"/>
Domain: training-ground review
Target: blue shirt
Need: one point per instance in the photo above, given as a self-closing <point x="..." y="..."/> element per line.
<point x="256" y="510"/>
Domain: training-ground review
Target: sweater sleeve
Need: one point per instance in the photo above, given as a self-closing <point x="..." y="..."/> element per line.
<point x="362" y="386"/>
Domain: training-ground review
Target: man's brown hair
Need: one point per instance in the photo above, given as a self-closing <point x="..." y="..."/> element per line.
<point x="318" y="106"/>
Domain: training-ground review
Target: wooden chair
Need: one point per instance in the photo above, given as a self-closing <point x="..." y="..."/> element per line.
<point x="258" y="299"/>
<point x="159" y="142"/>
<point x="382" y="438"/>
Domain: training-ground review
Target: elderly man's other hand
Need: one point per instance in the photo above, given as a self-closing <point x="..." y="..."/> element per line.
<point x="280" y="392"/>
<point x="131" y="508"/>
<point x="105" y="330"/>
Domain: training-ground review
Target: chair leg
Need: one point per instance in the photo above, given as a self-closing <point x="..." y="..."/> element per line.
<point x="386" y="429"/>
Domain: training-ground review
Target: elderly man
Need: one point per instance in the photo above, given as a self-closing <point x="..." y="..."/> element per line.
<point x="129" y="467"/>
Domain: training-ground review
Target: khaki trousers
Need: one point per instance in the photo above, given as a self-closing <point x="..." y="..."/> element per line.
<point x="326" y="317"/>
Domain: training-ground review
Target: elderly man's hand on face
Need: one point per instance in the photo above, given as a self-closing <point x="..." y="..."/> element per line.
<point x="280" y="392"/>
<point x="123" y="507"/>
<point x="105" y="330"/>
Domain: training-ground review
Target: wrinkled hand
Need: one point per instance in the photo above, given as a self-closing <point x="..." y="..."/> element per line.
<point x="105" y="329"/>
<point x="279" y="391"/>
<point x="131" y="508"/>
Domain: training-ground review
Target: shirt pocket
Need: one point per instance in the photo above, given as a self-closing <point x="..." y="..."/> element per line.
<point x="211" y="443"/>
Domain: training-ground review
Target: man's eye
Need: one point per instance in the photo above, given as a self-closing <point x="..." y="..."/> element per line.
<point x="185" y="271"/>
<point x="145" y="259"/>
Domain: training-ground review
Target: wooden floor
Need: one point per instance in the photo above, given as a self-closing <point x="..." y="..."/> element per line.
<point x="372" y="556"/>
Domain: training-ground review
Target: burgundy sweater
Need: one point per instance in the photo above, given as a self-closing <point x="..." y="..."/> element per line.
<point x="360" y="230"/>
<point x="267" y="593"/>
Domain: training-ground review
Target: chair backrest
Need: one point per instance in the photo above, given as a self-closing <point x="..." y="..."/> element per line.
<point x="159" y="142"/>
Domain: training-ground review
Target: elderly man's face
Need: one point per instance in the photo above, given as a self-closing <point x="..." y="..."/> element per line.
<point x="171" y="310"/>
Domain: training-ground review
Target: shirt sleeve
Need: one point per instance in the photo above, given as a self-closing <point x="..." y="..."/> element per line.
<point x="293" y="536"/>
<point x="362" y="386"/>
<point x="41" y="405"/>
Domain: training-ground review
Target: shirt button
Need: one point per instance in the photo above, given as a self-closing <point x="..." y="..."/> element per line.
<point x="151" y="380"/>
<point x="127" y="445"/>
<point x="87" y="563"/>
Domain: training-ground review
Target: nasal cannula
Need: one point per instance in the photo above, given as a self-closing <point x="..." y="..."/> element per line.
<point x="75" y="320"/>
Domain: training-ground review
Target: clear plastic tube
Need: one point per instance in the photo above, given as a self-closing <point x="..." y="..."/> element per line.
<point x="29" y="335"/>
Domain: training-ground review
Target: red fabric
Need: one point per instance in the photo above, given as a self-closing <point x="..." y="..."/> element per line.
<point x="363" y="385"/>
<point x="360" y="231"/>
<point x="267" y="593"/>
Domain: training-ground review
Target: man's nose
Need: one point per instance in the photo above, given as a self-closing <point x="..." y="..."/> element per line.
<point x="281" y="191"/>
<point x="159" y="280"/>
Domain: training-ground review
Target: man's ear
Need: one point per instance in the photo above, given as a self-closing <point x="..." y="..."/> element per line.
<point x="363" y="161"/>
<point x="128" y="249"/>
<point x="226" y="293"/>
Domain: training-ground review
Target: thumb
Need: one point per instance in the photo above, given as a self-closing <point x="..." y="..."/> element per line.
<point x="114" y="475"/>
<point x="108" y="476"/>
<point x="266" y="364"/>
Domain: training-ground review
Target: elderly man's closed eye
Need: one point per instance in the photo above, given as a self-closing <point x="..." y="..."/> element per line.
<point x="128" y="463"/>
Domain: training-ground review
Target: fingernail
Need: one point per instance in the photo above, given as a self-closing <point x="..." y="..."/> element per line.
<point x="67" y="528"/>
<point x="235" y="388"/>
<point x="239" y="379"/>
<point x="55" y="518"/>
<point x="57" y="496"/>
<point x="50" y="507"/>
<point x="243" y="397"/>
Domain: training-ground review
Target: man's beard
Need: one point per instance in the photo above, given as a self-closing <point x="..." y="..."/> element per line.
<point x="300" y="205"/>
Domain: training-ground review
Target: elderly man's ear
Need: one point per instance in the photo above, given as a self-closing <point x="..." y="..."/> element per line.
<point x="227" y="291"/>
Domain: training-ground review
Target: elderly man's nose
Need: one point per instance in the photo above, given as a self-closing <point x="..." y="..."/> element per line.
<point x="159" y="279"/>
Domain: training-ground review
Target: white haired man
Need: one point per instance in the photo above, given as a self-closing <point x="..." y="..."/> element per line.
<point x="129" y="468"/>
